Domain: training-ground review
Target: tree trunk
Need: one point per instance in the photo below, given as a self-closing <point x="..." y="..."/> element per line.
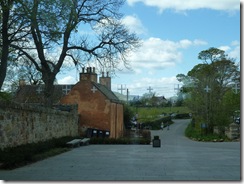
<point x="5" y="42"/>
<point x="48" y="79"/>
<point x="3" y="67"/>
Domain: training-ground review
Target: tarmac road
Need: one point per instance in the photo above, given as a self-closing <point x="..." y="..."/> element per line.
<point x="178" y="159"/>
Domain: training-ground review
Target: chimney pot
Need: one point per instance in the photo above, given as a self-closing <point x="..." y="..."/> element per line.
<point x="89" y="75"/>
<point x="106" y="81"/>
<point x="21" y="83"/>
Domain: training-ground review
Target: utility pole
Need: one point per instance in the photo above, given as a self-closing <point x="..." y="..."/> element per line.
<point x="121" y="89"/>
<point x="207" y="89"/>
<point x="127" y="95"/>
<point x="236" y="87"/>
<point x="149" y="89"/>
<point x="177" y="88"/>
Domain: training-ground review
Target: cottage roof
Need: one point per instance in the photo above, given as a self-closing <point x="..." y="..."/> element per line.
<point x="108" y="93"/>
<point x="34" y="93"/>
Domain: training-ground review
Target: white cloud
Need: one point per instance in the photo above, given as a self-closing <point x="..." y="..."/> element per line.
<point x="156" y="53"/>
<point x="199" y="42"/>
<point x="235" y="43"/>
<point x="134" y="24"/>
<point x="163" y="86"/>
<point x="67" y="80"/>
<point x="224" y="48"/>
<point x="179" y="5"/>
<point x="233" y="50"/>
<point x="235" y="53"/>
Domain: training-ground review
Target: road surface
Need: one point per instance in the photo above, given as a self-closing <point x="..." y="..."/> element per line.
<point x="178" y="159"/>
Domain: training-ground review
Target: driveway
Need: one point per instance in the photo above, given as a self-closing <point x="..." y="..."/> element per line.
<point x="178" y="159"/>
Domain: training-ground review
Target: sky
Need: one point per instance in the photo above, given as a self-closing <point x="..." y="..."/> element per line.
<point x="172" y="33"/>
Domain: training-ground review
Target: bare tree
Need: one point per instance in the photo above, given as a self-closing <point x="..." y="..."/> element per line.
<point x="21" y="70"/>
<point x="13" y="29"/>
<point x="56" y="35"/>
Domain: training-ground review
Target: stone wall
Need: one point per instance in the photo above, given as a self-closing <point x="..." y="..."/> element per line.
<point x="25" y="123"/>
<point x="232" y="131"/>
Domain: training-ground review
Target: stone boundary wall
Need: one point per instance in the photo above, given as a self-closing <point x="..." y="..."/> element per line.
<point x="26" y="123"/>
<point x="232" y="131"/>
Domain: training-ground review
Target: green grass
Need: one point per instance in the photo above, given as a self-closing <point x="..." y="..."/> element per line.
<point x="151" y="113"/>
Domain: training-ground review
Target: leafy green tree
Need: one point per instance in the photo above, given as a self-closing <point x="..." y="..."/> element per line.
<point x="231" y="103"/>
<point x="147" y="99"/>
<point x="218" y="75"/>
<point x="212" y="54"/>
<point x="128" y="115"/>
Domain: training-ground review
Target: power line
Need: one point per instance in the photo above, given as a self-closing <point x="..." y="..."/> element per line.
<point x="236" y="88"/>
<point x="177" y="88"/>
<point x="149" y="89"/>
<point x="121" y="89"/>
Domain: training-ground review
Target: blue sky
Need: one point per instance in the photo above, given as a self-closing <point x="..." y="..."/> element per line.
<point x="172" y="35"/>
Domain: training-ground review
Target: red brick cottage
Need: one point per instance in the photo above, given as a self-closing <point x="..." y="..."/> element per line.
<point x="98" y="107"/>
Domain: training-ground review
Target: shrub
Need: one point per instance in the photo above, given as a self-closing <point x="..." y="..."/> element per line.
<point x="125" y="140"/>
<point x="156" y="124"/>
<point x="146" y="134"/>
<point x="198" y="135"/>
<point x="5" y="96"/>
<point x="182" y="116"/>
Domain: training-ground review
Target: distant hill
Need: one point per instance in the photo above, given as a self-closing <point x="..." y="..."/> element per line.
<point x="124" y="97"/>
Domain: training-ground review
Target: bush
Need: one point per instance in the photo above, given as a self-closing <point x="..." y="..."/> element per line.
<point x="5" y="96"/>
<point x="146" y="134"/>
<point x="182" y="116"/>
<point x="156" y="124"/>
<point x="198" y="135"/>
<point x="127" y="140"/>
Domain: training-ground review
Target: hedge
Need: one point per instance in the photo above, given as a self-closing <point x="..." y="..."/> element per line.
<point x="20" y="155"/>
<point x="156" y="124"/>
<point x="140" y="140"/>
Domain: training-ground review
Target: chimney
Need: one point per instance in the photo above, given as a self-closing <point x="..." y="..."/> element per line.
<point x="90" y="74"/>
<point x="106" y="81"/>
<point x="22" y="83"/>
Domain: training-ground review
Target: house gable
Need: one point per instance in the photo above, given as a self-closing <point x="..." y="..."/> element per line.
<point x="98" y="107"/>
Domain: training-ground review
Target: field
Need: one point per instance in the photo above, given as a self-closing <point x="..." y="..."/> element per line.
<point x="151" y="113"/>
